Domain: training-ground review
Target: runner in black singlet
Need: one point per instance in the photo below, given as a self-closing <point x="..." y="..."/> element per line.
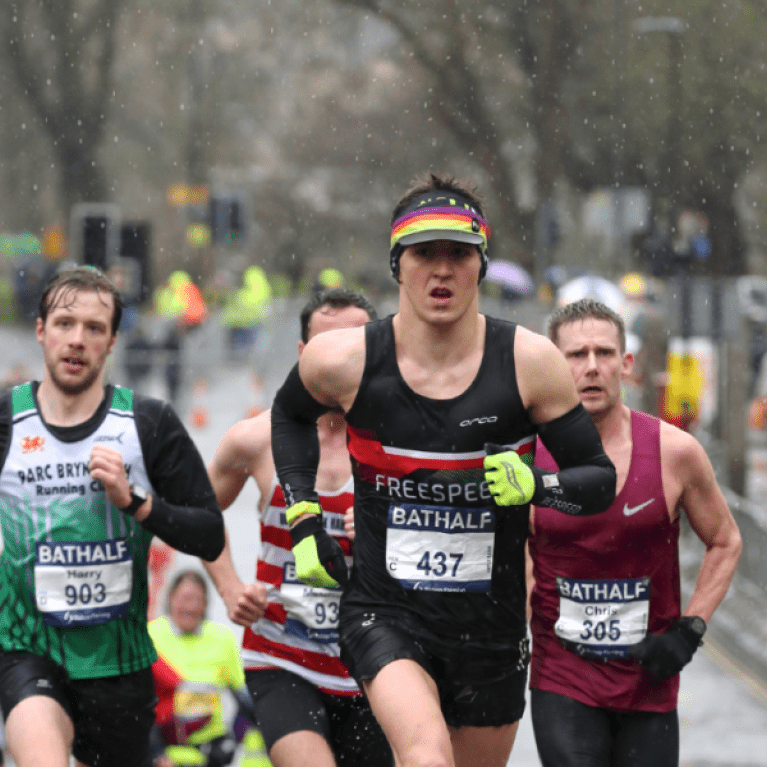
<point x="443" y="405"/>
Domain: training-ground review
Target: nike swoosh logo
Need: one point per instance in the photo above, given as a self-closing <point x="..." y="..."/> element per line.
<point x="629" y="510"/>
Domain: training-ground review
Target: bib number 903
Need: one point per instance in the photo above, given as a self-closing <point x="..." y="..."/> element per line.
<point x="85" y="594"/>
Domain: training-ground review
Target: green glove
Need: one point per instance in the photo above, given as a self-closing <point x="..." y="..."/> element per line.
<point x="319" y="557"/>
<point x="509" y="479"/>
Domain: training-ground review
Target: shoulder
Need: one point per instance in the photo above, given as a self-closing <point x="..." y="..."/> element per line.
<point x="249" y="437"/>
<point x="336" y="347"/>
<point x="528" y="346"/>
<point x="543" y="377"/>
<point x="681" y="453"/>
<point x="331" y="366"/>
<point x="151" y="409"/>
<point x="157" y="421"/>
<point x="245" y="447"/>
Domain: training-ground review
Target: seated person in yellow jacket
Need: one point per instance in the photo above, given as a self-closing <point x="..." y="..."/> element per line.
<point x="197" y="660"/>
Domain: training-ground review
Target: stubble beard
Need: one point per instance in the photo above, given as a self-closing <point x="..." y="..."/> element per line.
<point x="73" y="389"/>
<point x="600" y="413"/>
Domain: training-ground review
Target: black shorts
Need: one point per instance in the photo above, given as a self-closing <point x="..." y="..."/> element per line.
<point x="112" y="716"/>
<point x="571" y="734"/>
<point x="478" y="687"/>
<point x="285" y="702"/>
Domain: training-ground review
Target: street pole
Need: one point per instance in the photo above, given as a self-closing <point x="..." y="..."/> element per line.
<point x="674" y="28"/>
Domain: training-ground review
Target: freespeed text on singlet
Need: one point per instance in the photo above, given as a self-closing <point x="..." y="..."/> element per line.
<point x="434" y="492"/>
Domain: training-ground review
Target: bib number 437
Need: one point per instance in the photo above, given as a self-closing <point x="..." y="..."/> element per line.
<point x="438" y="564"/>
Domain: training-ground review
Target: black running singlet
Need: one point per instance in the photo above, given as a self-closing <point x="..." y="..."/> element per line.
<point x="430" y="536"/>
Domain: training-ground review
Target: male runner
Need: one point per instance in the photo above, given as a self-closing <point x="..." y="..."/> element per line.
<point x="433" y="620"/>
<point x="608" y="639"/>
<point x="88" y="474"/>
<point x="308" y="708"/>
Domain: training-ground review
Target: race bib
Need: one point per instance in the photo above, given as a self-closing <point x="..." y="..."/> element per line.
<point x="599" y="619"/>
<point x="440" y="548"/>
<point x="312" y="612"/>
<point x="83" y="584"/>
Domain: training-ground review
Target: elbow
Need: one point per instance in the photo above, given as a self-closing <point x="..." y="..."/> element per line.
<point x="606" y="487"/>
<point x="214" y="543"/>
<point x="736" y="545"/>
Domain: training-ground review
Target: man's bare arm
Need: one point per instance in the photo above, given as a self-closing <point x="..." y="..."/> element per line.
<point x="245" y="602"/>
<point x="709" y="516"/>
<point x="243" y="449"/>
<point x="237" y="457"/>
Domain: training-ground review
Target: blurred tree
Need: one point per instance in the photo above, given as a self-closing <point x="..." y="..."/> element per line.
<point x="471" y="91"/>
<point x="60" y="55"/>
<point x="320" y="112"/>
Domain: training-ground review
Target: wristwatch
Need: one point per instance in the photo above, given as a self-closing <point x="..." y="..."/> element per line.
<point x="697" y="625"/>
<point x="138" y="496"/>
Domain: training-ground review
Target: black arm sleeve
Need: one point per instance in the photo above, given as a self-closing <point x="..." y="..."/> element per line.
<point x="585" y="482"/>
<point x="184" y="513"/>
<point x="295" y="444"/>
<point x="5" y="427"/>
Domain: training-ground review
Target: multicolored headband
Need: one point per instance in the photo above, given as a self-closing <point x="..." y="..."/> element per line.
<point x="438" y="216"/>
<point x="443" y="219"/>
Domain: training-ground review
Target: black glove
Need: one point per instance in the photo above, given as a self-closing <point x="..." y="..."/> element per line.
<point x="319" y="557"/>
<point x="666" y="654"/>
<point x="218" y="752"/>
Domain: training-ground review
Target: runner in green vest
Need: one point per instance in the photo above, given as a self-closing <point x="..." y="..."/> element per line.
<point x="88" y="474"/>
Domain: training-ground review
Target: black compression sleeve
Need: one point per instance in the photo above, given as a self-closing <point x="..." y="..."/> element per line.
<point x="585" y="482"/>
<point x="194" y="530"/>
<point x="5" y="428"/>
<point x="184" y="513"/>
<point x="295" y="444"/>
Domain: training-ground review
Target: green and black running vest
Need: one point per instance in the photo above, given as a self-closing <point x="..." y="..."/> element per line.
<point x="73" y="572"/>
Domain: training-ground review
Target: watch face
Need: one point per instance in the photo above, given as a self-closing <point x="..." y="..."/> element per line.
<point x="139" y="491"/>
<point x="698" y="625"/>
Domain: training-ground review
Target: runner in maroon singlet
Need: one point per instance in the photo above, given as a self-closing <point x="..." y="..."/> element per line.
<point x="608" y="640"/>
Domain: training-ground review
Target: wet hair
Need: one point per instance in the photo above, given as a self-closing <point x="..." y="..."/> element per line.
<point x="187" y="575"/>
<point x="74" y="280"/>
<point x="427" y="182"/>
<point x="586" y="308"/>
<point x="336" y="298"/>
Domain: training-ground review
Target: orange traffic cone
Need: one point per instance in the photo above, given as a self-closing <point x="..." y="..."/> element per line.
<point x="757" y="413"/>
<point x="199" y="416"/>
<point x="256" y="405"/>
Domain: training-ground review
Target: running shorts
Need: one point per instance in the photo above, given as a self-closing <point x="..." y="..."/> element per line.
<point x="112" y="716"/>
<point x="569" y="733"/>
<point x="478" y="687"/>
<point x="285" y="702"/>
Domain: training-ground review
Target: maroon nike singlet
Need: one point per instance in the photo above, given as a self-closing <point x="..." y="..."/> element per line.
<point x="602" y="582"/>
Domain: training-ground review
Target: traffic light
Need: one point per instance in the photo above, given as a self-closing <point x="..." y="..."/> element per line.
<point x="95" y="234"/>
<point x="95" y="243"/>
<point x="134" y="244"/>
<point x="227" y="219"/>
